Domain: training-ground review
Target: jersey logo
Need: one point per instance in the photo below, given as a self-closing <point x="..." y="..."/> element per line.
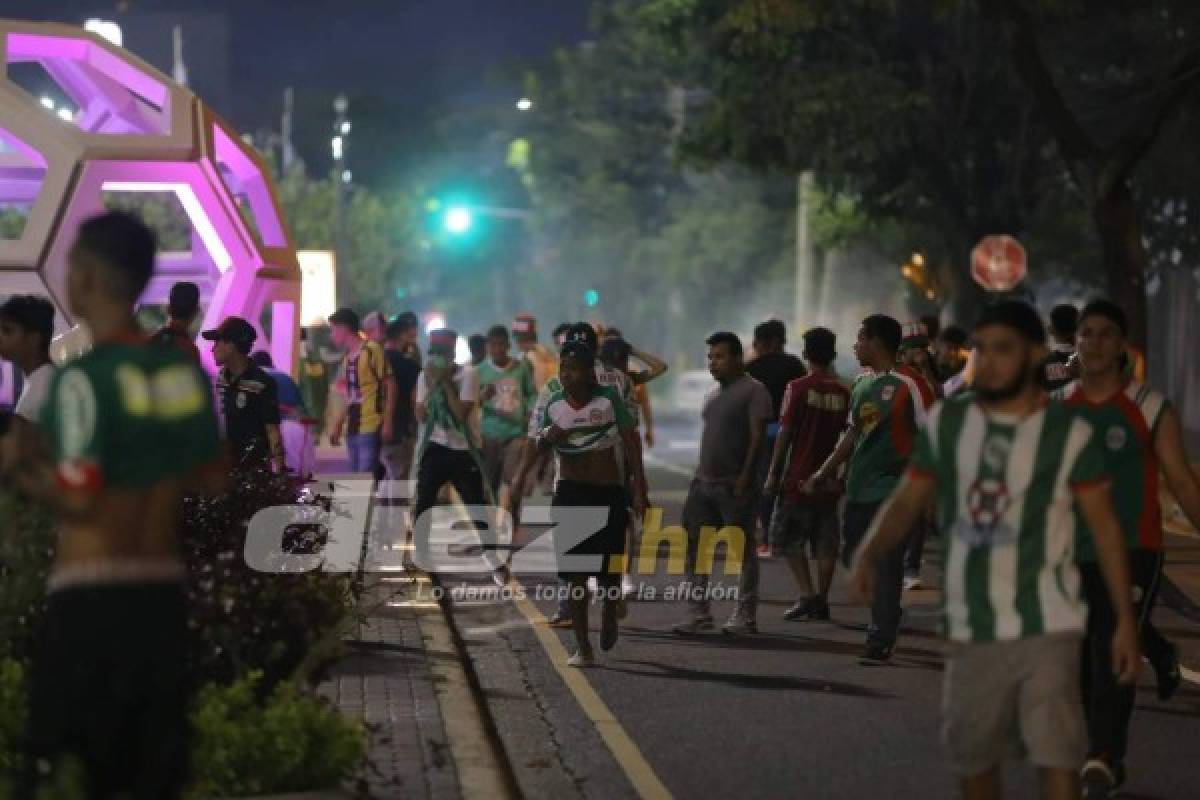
<point x="76" y="414"/>
<point x="869" y="417"/>
<point x="888" y="393"/>
<point x="1116" y="437"/>
<point x="597" y="416"/>
<point x="987" y="502"/>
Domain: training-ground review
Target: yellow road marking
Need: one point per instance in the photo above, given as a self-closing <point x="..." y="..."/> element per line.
<point x="637" y="769"/>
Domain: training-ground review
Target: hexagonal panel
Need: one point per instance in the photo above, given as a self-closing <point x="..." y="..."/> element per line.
<point x="106" y="93"/>
<point x="33" y="178"/>
<point x="22" y="173"/>
<point x="243" y="174"/>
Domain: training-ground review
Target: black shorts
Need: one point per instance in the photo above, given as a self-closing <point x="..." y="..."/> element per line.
<point x="608" y="541"/>
<point x="108" y="686"/>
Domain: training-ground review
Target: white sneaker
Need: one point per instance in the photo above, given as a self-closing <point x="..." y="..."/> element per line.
<point x="913" y="582"/>
<point x="738" y="626"/>
<point x="581" y="659"/>
<point x="627" y="587"/>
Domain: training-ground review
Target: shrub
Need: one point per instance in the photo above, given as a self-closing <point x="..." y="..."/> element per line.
<point x="290" y="741"/>
<point x="282" y="625"/>
<point x="26" y="552"/>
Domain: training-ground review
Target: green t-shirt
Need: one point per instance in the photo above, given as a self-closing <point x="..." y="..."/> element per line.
<point x="1006" y="505"/>
<point x="885" y="410"/>
<point x="506" y="411"/>
<point x="129" y="415"/>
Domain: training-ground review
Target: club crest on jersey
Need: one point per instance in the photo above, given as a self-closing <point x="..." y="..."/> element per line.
<point x="987" y="502"/>
<point x="1115" y="438"/>
<point x="888" y="393"/>
<point x="596" y="416"/>
<point x="869" y="417"/>
<point x="995" y="453"/>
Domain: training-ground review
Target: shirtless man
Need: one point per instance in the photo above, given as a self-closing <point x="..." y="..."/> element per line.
<point x="125" y="428"/>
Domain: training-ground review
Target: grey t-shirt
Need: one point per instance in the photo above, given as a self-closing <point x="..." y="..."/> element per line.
<point x="728" y="414"/>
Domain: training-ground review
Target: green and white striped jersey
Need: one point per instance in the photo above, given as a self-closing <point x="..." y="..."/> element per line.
<point x="1005" y="495"/>
<point x="595" y="426"/>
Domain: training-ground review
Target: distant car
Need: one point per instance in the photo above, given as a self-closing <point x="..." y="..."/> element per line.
<point x="690" y="388"/>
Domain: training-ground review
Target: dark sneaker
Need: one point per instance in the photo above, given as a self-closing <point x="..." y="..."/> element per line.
<point x="694" y="626"/>
<point x="801" y="610"/>
<point x="1166" y="670"/>
<point x="876" y="655"/>
<point x="820" y="610"/>
<point x="1098" y="780"/>
<point x="608" y="627"/>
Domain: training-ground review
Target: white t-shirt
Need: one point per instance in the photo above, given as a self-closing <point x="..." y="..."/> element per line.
<point x="467" y="383"/>
<point x="33" y="396"/>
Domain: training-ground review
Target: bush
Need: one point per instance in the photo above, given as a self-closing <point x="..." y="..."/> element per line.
<point x="26" y="553"/>
<point x="12" y="713"/>
<point x="291" y="741"/>
<point x="281" y="625"/>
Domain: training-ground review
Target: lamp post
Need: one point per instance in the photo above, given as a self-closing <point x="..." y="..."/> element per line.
<point x="341" y="175"/>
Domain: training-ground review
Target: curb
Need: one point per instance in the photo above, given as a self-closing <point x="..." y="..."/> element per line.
<point x="484" y="770"/>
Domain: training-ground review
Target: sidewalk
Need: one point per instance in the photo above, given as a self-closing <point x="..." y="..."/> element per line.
<point x="403" y="676"/>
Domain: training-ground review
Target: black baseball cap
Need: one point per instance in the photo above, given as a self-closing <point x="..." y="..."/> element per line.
<point x="234" y="330"/>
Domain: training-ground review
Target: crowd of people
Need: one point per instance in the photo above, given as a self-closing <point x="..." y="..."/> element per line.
<point x="1035" y="463"/>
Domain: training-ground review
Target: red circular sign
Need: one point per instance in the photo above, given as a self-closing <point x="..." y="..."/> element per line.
<point x="998" y="263"/>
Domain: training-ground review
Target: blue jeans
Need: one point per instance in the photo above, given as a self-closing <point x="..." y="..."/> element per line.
<point x="364" y="451"/>
<point x="889" y="579"/>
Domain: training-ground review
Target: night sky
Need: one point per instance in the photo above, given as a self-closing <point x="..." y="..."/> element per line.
<point x="398" y="60"/>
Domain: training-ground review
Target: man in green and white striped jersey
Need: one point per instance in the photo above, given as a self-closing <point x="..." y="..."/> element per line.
<point x="1012" y="474"/>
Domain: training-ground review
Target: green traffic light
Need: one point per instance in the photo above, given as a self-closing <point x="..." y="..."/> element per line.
<point x="457" y="220"/>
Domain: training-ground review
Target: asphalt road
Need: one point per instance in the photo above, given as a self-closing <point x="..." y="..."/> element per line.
<point x="786" y="713"/>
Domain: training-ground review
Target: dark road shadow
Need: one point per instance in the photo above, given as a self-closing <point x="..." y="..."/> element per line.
<point x="767" y="682"/>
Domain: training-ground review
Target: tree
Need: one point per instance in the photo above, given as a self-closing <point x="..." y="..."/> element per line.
<point x="380" y="238"/>
<point x="1119" y="79"/>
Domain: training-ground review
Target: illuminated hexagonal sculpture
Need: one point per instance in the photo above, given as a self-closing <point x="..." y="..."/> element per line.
<point x="86" y="126"/>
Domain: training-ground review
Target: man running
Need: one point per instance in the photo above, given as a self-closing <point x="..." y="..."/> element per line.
<point x="724" y="491"/>
<point x="370" y="394"/>
<point x="1011" y="473"/>
<point x="885" y="412"/>
<point x="1056" y="372"/>
<point x="774" y="368"/>
<point x="585" y="334"/>
<point x="813" y="417"/>
<point x="249" y="399"/>
<point x="583" y="422"/>
<point x="507" y="395"/>
<point x="127" y="428"/>
<point x="1140" y="435"/>
<point x="26" y="328"/>
<point x="446" y="454"/>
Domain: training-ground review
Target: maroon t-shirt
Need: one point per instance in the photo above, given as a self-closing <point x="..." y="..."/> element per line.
<point x="815" y="409"/>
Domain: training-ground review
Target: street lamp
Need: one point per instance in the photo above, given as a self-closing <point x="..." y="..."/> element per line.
<point x="524" y="104"/>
